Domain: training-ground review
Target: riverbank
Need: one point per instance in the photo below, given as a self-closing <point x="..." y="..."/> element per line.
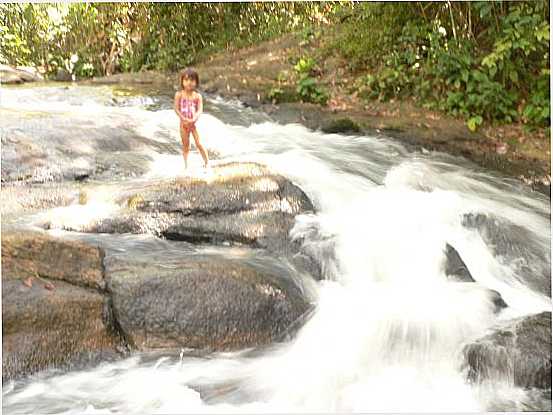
<point x="249" y="74"/>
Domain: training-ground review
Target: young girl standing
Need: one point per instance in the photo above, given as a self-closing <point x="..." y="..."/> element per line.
<point x="189" y="106"/>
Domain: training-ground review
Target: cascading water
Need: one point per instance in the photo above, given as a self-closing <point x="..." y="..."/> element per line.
<point x="388" y="327"/>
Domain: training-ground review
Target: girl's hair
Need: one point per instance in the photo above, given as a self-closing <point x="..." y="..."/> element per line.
<point x="189" y="73"/>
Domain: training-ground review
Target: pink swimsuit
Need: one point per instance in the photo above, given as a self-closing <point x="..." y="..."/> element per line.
<point x="188" y="107"/>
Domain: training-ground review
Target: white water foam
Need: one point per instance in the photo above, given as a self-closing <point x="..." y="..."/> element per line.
<point x="388" y="329"/>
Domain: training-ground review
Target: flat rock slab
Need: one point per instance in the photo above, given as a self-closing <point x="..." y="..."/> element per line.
<point x="28" y="254"/>
<point x="519" y="352"/>
<point x="201" y="302"/>
<point x="239" y="203"/>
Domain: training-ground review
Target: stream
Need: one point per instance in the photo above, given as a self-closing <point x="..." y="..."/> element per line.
<point x="388" y="328"/>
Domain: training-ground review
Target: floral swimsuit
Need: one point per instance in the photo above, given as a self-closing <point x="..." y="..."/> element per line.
<point x="188" y="107"/>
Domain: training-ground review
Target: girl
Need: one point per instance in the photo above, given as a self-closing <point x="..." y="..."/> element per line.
<point x="189" y="106"/>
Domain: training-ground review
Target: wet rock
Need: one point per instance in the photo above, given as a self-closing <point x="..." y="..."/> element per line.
<point x="341" y="125"/>
<point x="455" y="267"/>
<point x="456" y="270"/>
<point x="52" y="328"/>
<point x="28" y="254"/>
<point x="497" y="300"/>
<point x="519" y="352"/>
<point x="18" y="199"/>
<point x="513" y="245"/>
<point x="241" y="203"/>
<point x="202" y="302"/>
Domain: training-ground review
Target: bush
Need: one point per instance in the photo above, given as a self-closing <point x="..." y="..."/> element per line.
<point x="307" y="87"/>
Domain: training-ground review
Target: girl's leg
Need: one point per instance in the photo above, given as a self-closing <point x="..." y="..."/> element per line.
<point x="199" y="146"/>
<point x="185" y="138"/>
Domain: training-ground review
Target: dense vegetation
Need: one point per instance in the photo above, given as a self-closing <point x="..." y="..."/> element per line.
<point x="480" y="60"/>
<point x="477" y="60"/>
<point x="102" y="38"/>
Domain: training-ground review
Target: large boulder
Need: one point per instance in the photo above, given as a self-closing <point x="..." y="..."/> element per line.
<point x="519" y="352"/>
<point x="44" y="327"/>
<point x="242" y="202"/>
<point x="205" y="302"/>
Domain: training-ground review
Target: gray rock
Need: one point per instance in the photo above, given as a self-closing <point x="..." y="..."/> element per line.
<point x="244" y="203"/>
<point x="455" y="267"/>
<point x="201" y="302"/>
<point x="63" y="76"/>
<point x="11" y="75"/>
<point x="519" y="352"/>
<point x="456" y="270"/>
<point x="514" y="245"/>
<point x="29" y="74"/>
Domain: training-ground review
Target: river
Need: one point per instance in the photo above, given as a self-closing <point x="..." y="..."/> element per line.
<point x="388" y="328"/>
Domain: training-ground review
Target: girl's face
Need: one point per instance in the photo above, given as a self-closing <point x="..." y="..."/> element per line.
<point x="188" y="84"/>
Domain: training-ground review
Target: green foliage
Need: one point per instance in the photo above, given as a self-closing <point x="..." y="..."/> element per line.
<point x="282" y="94"/>
<point x="538" y="109"/>
<point x="307" y="87"/>
<point x="112" y="37"/>
<point x="476" y="60"/>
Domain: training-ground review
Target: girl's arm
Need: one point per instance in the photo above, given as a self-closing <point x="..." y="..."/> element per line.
<point x="200" y="109"/>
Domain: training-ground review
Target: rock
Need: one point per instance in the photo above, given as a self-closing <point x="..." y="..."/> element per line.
<point x="59" y="318"/>
<point x="519" y="352"/>
<point x="62" y="316"/>
<point x="529" y="257"/>
<point x="63" y="76"/>
<point x="10" y="75"/>
<point x="202" y="301"/>
<point x="19" y="199"/>
<point x="29" y="74"/>
<point x="10" y="78"/>
<point x="27" y="254"/>
<point x="243" y="203"/>
<point x="497" y="300"/>
<point x="341" y="125"/>
<point x="52" y="328"/>
<point x="455" y="268"/>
